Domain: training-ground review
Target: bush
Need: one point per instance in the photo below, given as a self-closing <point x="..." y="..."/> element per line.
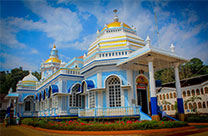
<point x="80" y="125"/>
<point x="196" y="118"/>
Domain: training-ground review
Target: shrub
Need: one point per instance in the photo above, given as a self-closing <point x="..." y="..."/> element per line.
<point x="196" y="118"/>
<point x="78" y="125"/>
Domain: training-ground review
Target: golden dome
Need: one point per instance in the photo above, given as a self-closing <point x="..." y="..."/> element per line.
<point x="56" y="60"/>
<point x="116" y="24"/>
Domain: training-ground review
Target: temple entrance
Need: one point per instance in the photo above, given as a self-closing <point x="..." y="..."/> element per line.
<point x="141" y="85"/>
<point x="142" y="99"/>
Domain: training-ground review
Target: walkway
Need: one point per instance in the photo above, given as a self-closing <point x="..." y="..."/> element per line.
<point x="23" y="131"/>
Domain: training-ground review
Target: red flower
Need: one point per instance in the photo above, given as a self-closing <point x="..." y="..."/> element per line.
<point x="162" y="122"/>
<point x="82" y="123"/>
<point x="129" y="122"/>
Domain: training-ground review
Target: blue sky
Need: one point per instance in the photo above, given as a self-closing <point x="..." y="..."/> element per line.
<point x="28" y="29"/>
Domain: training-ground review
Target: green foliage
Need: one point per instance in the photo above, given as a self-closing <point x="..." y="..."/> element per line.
<point x="194" y="67"/>
<point x="10" y="79"/>
<point x="193" y="99"/>
<point x="102" y="126"/>
<point x="196" y="118"/>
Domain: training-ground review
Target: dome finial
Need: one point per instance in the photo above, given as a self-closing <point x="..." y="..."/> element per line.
<point x="172" y="48"/>
<point x="115" y="15"/>
<point x="54" y="46"/>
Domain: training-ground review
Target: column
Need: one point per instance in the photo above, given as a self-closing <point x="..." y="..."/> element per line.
<point x="153" y="96"/>
<point x="179" y="94"/>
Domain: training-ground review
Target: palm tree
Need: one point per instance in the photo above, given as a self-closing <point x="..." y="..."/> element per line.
<point x="193" y="99"/>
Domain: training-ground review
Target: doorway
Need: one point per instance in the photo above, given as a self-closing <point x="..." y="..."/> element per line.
<point x="142" y="99"/>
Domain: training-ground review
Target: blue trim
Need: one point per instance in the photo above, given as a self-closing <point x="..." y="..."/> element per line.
<point x="104" y="99"/>
<point x="54" y="88"/>
<point x="180" y="105"/>
<point x="89" y="83"/>
<point x="42" y="95"/>
<point x="47" y="92"/>
<point x="135" y="115"/>
<point x="125" y="97"/>
<point x="57" y="77"/>
<point x="102" y="60"/>
<point x="98" y="66"/>
<point x="70" y="88"/>
<point x="154" y="105"/>
<point x="87" y="101"/>
<point x="26" y="90"/>
<point x="96" y="99"/>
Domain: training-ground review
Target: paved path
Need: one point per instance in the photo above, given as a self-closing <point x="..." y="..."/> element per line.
<point x="22" y="131"/>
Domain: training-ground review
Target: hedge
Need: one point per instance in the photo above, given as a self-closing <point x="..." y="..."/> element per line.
<point x="77" y="125"/>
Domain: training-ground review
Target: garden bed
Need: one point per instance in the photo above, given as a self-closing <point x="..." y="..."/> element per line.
<point x="77" y="125"/>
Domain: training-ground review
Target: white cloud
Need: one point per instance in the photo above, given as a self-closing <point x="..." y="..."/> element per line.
<point x="61" y="24"/>
<point x="34" y="51"/>
<point x="11" y="62"/>
<point x="80" y="45"/>
<point x="8" y="35"/>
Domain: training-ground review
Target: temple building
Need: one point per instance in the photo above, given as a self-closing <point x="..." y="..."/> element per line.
<point x="114" y="79"/>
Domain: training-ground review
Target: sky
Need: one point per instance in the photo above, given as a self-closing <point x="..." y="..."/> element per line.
<point x="30" y="28"/>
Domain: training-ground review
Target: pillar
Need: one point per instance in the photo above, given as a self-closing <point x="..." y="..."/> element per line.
<point x="179" y="94"/>
<point x="153" y="96"/>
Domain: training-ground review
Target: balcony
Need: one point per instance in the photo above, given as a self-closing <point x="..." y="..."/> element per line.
<point x="109" y="112"/>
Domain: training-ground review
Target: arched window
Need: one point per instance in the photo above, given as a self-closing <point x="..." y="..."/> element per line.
<point x="171" y="96"/>
<point x="163" y="96"/>
<point x="188" y="93"/>
<point x="27" y="106"/>
<point x="202" y="91"/>
<point x="193" y="92"/>
<point x="168" y="107"/>
<point x="206" y="90"/>
<point x="199" y="105"/>
<point x="167" y="96"/>
<point x="204" y="105"/>
<point x="74" y="98"/>
<point x="174" y="95"/>
<point x="164" y="107"/>
<point x="190" y="106"/>
<point x="207" y="103"/>
<point x="194" y="105"/>
<point x="186" y="106"/>
<point x="197" y="92"/>
<point x="172" y="107"/>
<point x="184" y="94"/>
<point x="114" y="90"/>
<point x="160" y="97"/>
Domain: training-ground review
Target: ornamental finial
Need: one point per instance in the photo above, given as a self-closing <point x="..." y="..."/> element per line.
<point x="115" y="15"/>
<point x="172" y="47"/>
<point x="54" y="46"/>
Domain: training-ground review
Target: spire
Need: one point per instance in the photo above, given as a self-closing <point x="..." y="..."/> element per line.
<point x="54" y="46"/>
<point x="172" y="47"/>
<point x="115" y="15"/>
<point x="148" y="41"/>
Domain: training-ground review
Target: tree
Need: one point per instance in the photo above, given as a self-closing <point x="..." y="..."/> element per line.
<point x="192" y="100"/>
<point x="10" y="79"/>
<point x="194" y="67"/>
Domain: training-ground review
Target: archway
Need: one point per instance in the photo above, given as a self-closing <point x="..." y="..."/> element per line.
<point x="141" y="89"/>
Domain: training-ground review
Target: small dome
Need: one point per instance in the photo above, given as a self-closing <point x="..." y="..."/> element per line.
<point x="56" y="60"/>
<point x="116" y="25"/>
<point x="30" y="78"/>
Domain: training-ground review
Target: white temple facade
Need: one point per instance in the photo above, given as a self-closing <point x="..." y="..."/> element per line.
<point x="114" y="79"/>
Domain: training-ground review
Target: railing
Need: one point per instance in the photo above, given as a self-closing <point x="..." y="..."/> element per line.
<point x="108" y="112"/>
<point x="60" y="71"/>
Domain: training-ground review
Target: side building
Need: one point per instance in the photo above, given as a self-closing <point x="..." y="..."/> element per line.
<point x="194" y="93"/>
